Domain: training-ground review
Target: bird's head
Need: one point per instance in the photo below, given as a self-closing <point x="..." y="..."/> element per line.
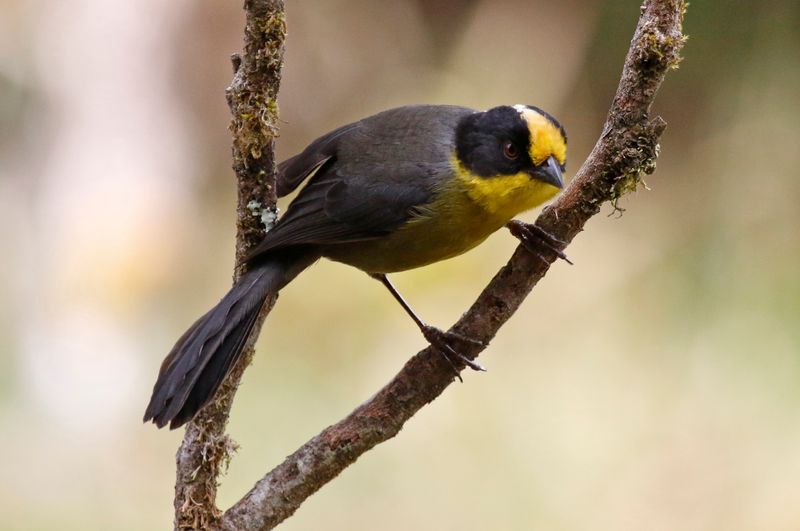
<point x="507" y="140"/>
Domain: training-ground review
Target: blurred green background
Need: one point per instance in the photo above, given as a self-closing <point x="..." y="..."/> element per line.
<point x="654" y="385"/>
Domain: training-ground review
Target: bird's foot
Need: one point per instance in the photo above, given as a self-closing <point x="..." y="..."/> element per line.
<point x="445" y="343"/>
<point x="535" y="239"/>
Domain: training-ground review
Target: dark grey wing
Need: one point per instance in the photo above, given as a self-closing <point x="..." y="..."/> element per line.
<point x="336" y="208"/>
<point x="294" y="170"/>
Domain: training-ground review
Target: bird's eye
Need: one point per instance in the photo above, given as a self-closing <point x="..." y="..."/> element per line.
<point x="510" y="150"/>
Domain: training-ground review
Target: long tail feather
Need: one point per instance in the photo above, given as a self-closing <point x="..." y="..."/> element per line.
<point x="203" y="356"/>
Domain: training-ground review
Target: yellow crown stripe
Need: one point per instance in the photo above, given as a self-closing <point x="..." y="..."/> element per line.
<point x="546" y="139"/>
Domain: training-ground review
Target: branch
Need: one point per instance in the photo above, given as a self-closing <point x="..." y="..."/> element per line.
<point x="626" y="149"/>
<point x="252" y="100"/>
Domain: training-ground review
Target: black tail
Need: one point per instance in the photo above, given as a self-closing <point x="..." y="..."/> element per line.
<point x="202" y="357"/>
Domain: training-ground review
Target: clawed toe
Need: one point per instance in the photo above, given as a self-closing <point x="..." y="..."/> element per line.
<point x="444" y="343"/>
<point x="535" y="239"/>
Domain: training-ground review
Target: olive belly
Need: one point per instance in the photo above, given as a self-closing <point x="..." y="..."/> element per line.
<point x="420" y="242"/>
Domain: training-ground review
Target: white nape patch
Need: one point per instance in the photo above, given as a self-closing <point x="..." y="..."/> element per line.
<point x="522" y="108"/>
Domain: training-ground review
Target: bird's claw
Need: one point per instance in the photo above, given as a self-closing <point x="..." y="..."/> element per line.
<point x="444" y="341"/>
<point x="535" y="238"/>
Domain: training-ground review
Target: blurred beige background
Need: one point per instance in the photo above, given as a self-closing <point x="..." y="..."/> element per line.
<point x="654" y="385"/>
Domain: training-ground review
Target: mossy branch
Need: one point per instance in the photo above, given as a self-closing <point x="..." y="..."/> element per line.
<point x="626" y="150"/>
<point x="252" y="96"/>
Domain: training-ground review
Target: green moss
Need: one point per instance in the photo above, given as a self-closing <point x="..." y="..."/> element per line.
<point x="273" y="25"/>
<point x="676" y="59"/>
<point x="654" y="45"/>
<point x="632" y="163"/>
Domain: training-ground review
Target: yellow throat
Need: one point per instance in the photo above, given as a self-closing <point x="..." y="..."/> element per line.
<point x="503" y="196"/>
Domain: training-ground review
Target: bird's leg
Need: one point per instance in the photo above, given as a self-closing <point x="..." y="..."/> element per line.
<point x="439" y="339"/>
<point x="535" y="239"/>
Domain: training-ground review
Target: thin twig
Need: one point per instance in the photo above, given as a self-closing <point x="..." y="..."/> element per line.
<point x="627" y="149"/>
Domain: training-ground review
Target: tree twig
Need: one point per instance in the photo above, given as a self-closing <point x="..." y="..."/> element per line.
<point x="206" y="448"/>
<point x="626" y="149"/>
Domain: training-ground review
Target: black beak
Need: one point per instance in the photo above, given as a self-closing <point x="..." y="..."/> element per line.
<point x="549" y="172"/>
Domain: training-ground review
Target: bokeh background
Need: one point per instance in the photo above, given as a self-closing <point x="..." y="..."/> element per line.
<point x="654" y="385"/>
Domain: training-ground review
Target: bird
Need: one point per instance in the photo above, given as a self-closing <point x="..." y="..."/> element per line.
<point x="394" y="191"/>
